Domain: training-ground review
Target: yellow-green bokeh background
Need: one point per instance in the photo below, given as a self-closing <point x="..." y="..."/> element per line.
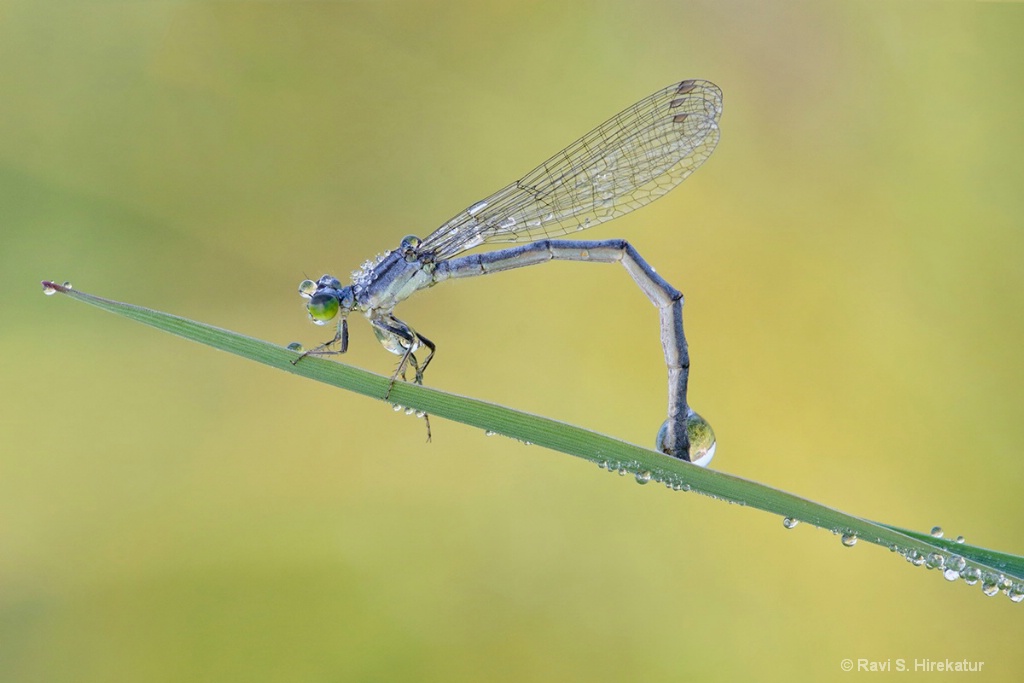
<point x="851" y="256"/>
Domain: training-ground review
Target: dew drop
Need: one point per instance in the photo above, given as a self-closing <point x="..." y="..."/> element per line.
<point x="490" y="433"/>
<point x="790" y="522"/>
<point x="702" y="439"/>
<point x="48" y="289"/>
<point x="971" y="575"/>
<point x="643" y="476"/>
<point x="849" y="540"/>
<point x="934" y="561"/>
<point x="1016" y="593"/>
<point x="296" y="346"/>
<point x="956" y="563"/>
<point x="421" y="414"/>
<point x="397" y="407"/>
<point x="410" y="411"/>
<point x="991" y="583"/>
<point x="960" y="539"/>
<point x="936" y="531"/>
<point x="950" y="574"/>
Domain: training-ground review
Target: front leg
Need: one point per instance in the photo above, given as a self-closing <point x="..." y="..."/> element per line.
<point x="340" y="336"/>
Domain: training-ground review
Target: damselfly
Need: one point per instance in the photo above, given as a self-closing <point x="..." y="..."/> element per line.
<point x="623" y="164"/>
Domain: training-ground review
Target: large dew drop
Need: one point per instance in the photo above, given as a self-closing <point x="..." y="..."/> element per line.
<point x="702" y="438"/>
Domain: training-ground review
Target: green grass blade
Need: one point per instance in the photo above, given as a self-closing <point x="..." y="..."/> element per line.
<point x="993" y="569"/>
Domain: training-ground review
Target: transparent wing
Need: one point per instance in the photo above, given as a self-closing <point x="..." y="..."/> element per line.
<point x="623" y="164"/>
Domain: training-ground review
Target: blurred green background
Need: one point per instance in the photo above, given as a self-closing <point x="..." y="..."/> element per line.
<point x="851" y="257"/>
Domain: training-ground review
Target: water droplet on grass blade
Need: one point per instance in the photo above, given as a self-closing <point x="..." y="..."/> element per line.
<point x="296" y="346"/>
<point x="790" y="522"/>
<point x="971" y="575"/>
<point x="936" y="531"/>
<point x="643" y="477"/>
<point x="702" y="439"/>
<point x="849" y="540"/>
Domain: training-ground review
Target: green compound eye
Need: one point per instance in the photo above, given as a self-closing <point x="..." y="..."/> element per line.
<point x="322" y="307"/>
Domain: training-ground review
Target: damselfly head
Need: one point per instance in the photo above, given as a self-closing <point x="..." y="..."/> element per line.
<point x="327" y="298"/>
